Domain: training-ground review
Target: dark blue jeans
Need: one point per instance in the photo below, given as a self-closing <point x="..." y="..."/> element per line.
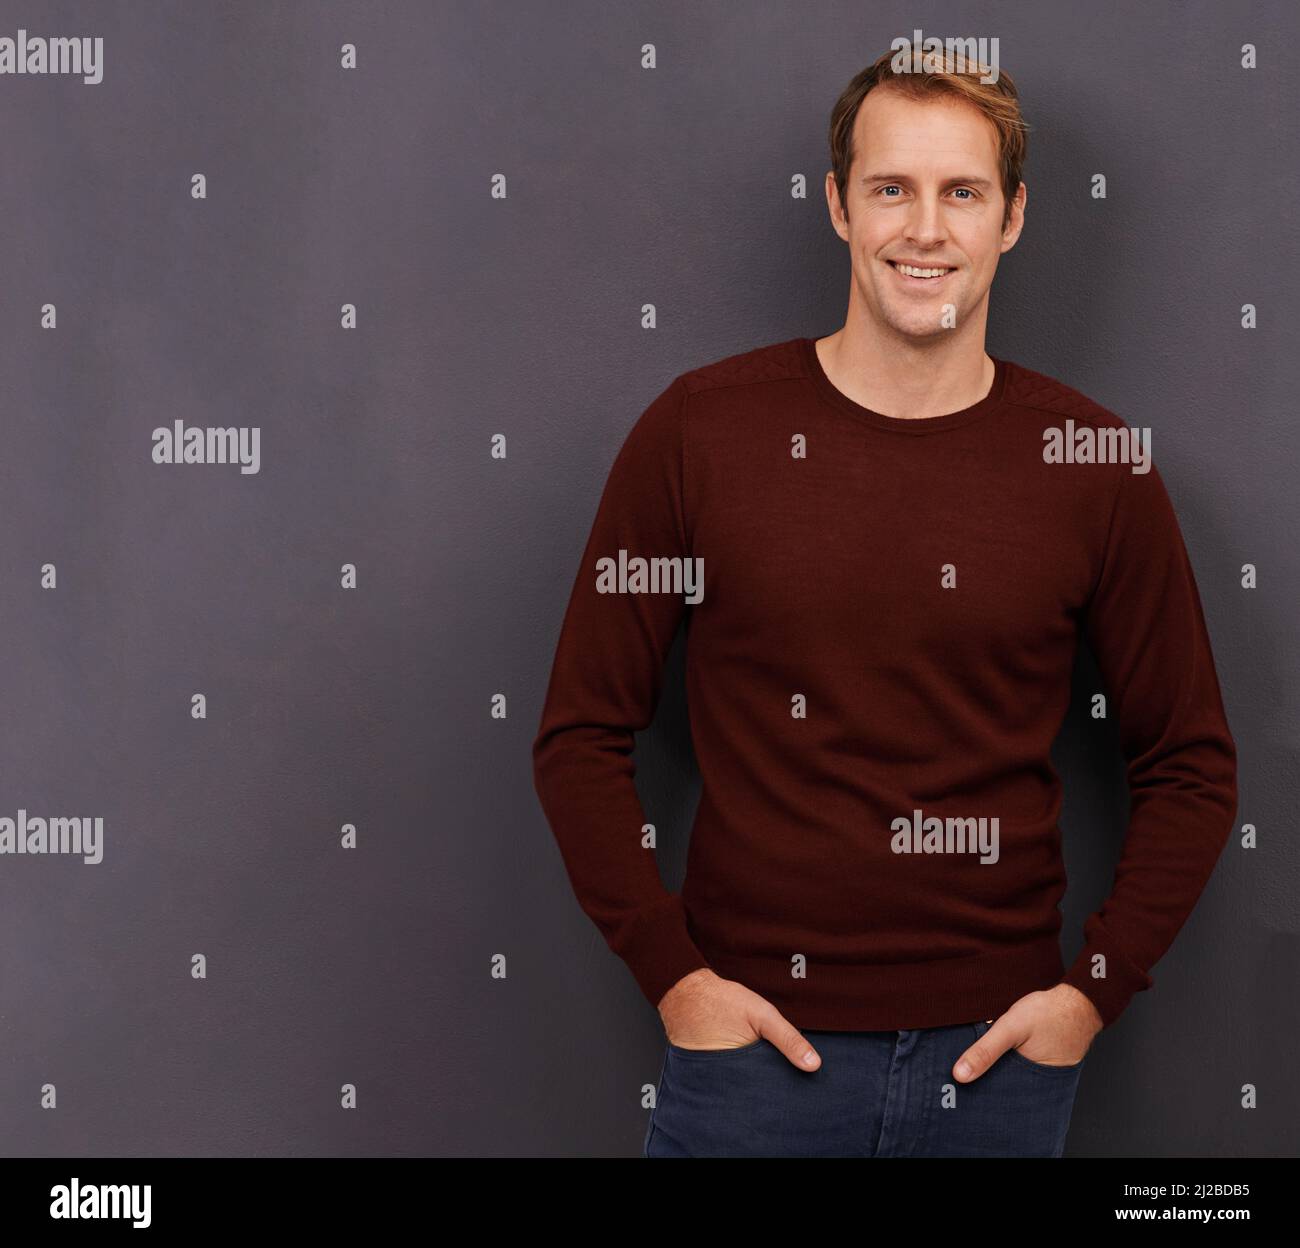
<point x="876" y="1094"/>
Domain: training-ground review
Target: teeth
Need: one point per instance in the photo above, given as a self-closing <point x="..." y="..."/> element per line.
<point x="911" y="272"/>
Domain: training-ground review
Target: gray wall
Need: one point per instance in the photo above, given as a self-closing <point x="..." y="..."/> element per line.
<point x="479" y="316"/>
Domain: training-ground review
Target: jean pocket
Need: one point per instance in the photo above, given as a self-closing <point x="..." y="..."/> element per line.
<point x="1072" y="1069"/>
<point x="981" y="1028"/>
<point x="706" y="1054"/>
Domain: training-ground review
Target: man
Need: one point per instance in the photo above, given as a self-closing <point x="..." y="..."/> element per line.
<point x="885" y="544"/>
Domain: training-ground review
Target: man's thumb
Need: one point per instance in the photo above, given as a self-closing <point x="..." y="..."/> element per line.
<point x="790" y="1041"/>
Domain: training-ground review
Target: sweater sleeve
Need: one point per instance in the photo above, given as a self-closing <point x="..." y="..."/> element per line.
<point x="604" y="686"/>
<point x="1145" y="625"/>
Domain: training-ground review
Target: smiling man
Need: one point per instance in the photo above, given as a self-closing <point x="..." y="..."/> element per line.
<point x="896" y="574"/>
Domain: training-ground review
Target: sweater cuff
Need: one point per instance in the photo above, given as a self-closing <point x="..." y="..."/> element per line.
<point x="659" y="950"/>
<point x="1112" y="984"/>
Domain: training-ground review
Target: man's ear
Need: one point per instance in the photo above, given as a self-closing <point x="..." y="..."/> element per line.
<point x="1016" y="219"/>
<point x="835" y="207"/>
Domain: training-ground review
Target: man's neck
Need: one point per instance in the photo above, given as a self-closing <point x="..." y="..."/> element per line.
<point x="905" y="381"/>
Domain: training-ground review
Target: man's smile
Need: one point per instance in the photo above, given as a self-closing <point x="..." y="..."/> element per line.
<point x="918" y="274"/>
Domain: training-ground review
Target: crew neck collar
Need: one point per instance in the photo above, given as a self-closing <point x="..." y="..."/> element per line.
<point x="899" y="424"/>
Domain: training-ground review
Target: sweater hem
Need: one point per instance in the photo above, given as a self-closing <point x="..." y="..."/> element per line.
<point x="896" y="996"/>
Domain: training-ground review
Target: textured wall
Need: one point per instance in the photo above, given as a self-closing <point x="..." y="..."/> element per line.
<point x="329" y="705"/>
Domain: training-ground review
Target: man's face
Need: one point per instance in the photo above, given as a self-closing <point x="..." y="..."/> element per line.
<point x="924" y="186"/>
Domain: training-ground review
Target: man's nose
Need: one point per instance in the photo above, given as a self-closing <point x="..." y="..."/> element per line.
<point x="924" y="222"/>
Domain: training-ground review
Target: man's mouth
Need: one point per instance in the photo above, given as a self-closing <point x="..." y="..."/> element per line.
<point x="919" y="274"/>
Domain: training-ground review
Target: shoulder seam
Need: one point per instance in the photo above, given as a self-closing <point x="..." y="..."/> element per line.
<point x="687" y="529"/>
<point x="727" y="373"/>
<point x="1047" y="411"/>
<point x="735" y="384"/>
<point x="1104" y="562"/>
<point x="1096" y="417"/>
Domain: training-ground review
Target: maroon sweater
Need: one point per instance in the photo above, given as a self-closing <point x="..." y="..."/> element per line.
<point x="876" y="670"/>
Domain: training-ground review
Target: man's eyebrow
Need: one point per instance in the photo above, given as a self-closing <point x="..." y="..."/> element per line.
<point x="982" y="184"/>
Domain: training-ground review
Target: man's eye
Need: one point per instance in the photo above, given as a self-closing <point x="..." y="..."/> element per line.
<point x="966" y="189"/>
<point x="891" y="188"/>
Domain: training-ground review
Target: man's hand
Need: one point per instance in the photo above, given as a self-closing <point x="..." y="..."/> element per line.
<point x="704" y="1011"/>
<point x="1054" y="1027"/>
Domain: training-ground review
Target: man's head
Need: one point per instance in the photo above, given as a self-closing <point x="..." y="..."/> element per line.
<point x="926" y="169"/>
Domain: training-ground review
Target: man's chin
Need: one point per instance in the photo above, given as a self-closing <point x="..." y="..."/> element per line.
<point x="920" y="331"/>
